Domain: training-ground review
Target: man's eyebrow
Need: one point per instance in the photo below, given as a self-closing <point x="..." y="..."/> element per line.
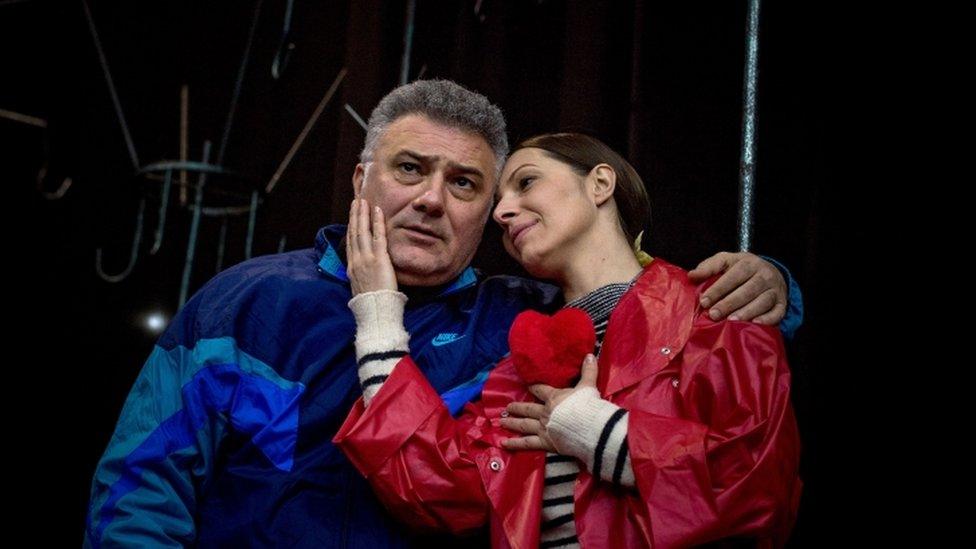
<point x="457" y="166"/>
<point x="418" y="156"/>
<point x="464" y="168"/>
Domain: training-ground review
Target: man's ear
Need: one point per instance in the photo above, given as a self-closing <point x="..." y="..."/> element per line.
<point x="358" y="178"/>
<point x="602" y="182"/>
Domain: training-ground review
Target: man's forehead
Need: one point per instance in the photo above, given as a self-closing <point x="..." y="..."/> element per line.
<point x="420" y="134"/>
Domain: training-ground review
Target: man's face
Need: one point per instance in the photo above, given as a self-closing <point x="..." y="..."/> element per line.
<point x="434" y="184"/>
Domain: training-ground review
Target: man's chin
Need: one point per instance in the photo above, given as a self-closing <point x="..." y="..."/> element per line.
<point x="417" y="272"/>
<point x="409" y="277"/>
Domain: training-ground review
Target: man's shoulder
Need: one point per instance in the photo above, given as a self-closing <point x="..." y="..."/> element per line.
<point x="267" y="291"/>
<point x="295" y="264"/>
<point x="520" y="292"/>
<point x="285" y="274"/>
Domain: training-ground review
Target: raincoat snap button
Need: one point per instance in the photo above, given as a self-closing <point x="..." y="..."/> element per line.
<point x="674" y="382"/>
<point x="504" y="413"/>
<point x="495" y="465"/>
<point x="665" y="350"/>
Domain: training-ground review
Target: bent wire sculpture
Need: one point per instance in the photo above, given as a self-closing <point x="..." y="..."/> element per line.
<point x="237" y="194"/>
<point x="248" y="202"/>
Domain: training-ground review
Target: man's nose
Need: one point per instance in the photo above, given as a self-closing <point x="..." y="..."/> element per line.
<point x="431" y="198"/>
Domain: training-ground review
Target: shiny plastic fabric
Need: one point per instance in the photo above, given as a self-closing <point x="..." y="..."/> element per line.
<point x="711" y="432"/>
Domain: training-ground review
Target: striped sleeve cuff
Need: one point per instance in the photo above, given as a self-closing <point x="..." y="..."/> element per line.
<point x="594" y="431"/>
<point x="381" y="340"/>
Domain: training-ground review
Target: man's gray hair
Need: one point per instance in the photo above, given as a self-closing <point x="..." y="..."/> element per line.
<point x="444" y="102"/>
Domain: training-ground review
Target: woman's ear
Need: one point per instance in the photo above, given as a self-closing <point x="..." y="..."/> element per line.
<point x="603" y="181"/>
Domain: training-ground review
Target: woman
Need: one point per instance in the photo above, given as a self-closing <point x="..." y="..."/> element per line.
<point x="681" y="433"/>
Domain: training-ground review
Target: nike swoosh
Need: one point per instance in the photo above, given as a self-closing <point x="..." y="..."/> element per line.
<point x="445" y="338"/>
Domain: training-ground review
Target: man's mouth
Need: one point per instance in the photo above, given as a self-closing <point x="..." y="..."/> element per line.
<point x="422" y="233"/>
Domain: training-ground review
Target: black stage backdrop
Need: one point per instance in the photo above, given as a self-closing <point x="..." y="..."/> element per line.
<point x="659" y="81"/>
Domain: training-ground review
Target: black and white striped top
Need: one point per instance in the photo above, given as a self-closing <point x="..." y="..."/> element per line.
<point x="558" y="525"/>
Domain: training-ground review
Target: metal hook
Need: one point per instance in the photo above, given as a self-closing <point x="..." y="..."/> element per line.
<point x="41" y="173"/>
<point x="251" y="220"/>
<point x="285" y="46"/>
<point x="133" y="255"/>
<point x="222" y="244"/>
<point x="59" y="193"/>
<point x="163" y="205"/>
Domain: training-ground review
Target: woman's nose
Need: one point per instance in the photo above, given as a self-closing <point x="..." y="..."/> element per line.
<point x="505" y="210"/>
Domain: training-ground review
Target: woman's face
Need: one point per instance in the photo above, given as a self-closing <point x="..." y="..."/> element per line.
<point x="544" y="211"/>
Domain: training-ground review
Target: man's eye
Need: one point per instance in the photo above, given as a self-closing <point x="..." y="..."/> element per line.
<point x="525" y="182"/>
<point x="464" y="183"/>
<point x="409" y="167"/>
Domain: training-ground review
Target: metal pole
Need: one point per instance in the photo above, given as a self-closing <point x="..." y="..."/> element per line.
<point x="750" y="99"/>
<point x="194" y="228"/>
<point x="242" y="70"/>
<point x="304" y="133"/>
<point x="111" y="88"/>
<point x="407" y="41"/>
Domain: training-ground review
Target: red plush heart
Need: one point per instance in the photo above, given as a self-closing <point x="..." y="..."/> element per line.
<point x="551" y="349"/>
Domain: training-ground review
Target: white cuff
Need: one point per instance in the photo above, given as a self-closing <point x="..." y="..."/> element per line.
<point x="577" y="426"/>
<point x="378" y="313"/>
<point x="380" y="337"/>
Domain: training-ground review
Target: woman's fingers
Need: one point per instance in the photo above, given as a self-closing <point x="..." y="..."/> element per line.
<point x="364" y="233"/>
<point x="379" y="231"/>
<point x="524" y="425"/>
<point x="527" y="409"/>
<point x="531" y="442"/>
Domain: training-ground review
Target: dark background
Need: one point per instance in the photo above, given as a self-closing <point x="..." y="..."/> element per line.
<point x="661" y="83"/>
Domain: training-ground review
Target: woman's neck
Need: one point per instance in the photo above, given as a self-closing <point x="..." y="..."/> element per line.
<point x="597" y="263"/>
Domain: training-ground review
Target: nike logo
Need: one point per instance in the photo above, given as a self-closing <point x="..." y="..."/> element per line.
<point x="445" y="338"/>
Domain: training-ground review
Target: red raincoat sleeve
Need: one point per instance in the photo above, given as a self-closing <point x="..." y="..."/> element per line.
<point x="414" y="454"/>
<point x="729" y="467"/>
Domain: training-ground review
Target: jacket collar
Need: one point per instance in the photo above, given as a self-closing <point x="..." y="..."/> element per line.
<point x="328" y="242"/>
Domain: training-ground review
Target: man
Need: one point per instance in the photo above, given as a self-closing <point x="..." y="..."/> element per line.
<point x="225" y="438"/>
